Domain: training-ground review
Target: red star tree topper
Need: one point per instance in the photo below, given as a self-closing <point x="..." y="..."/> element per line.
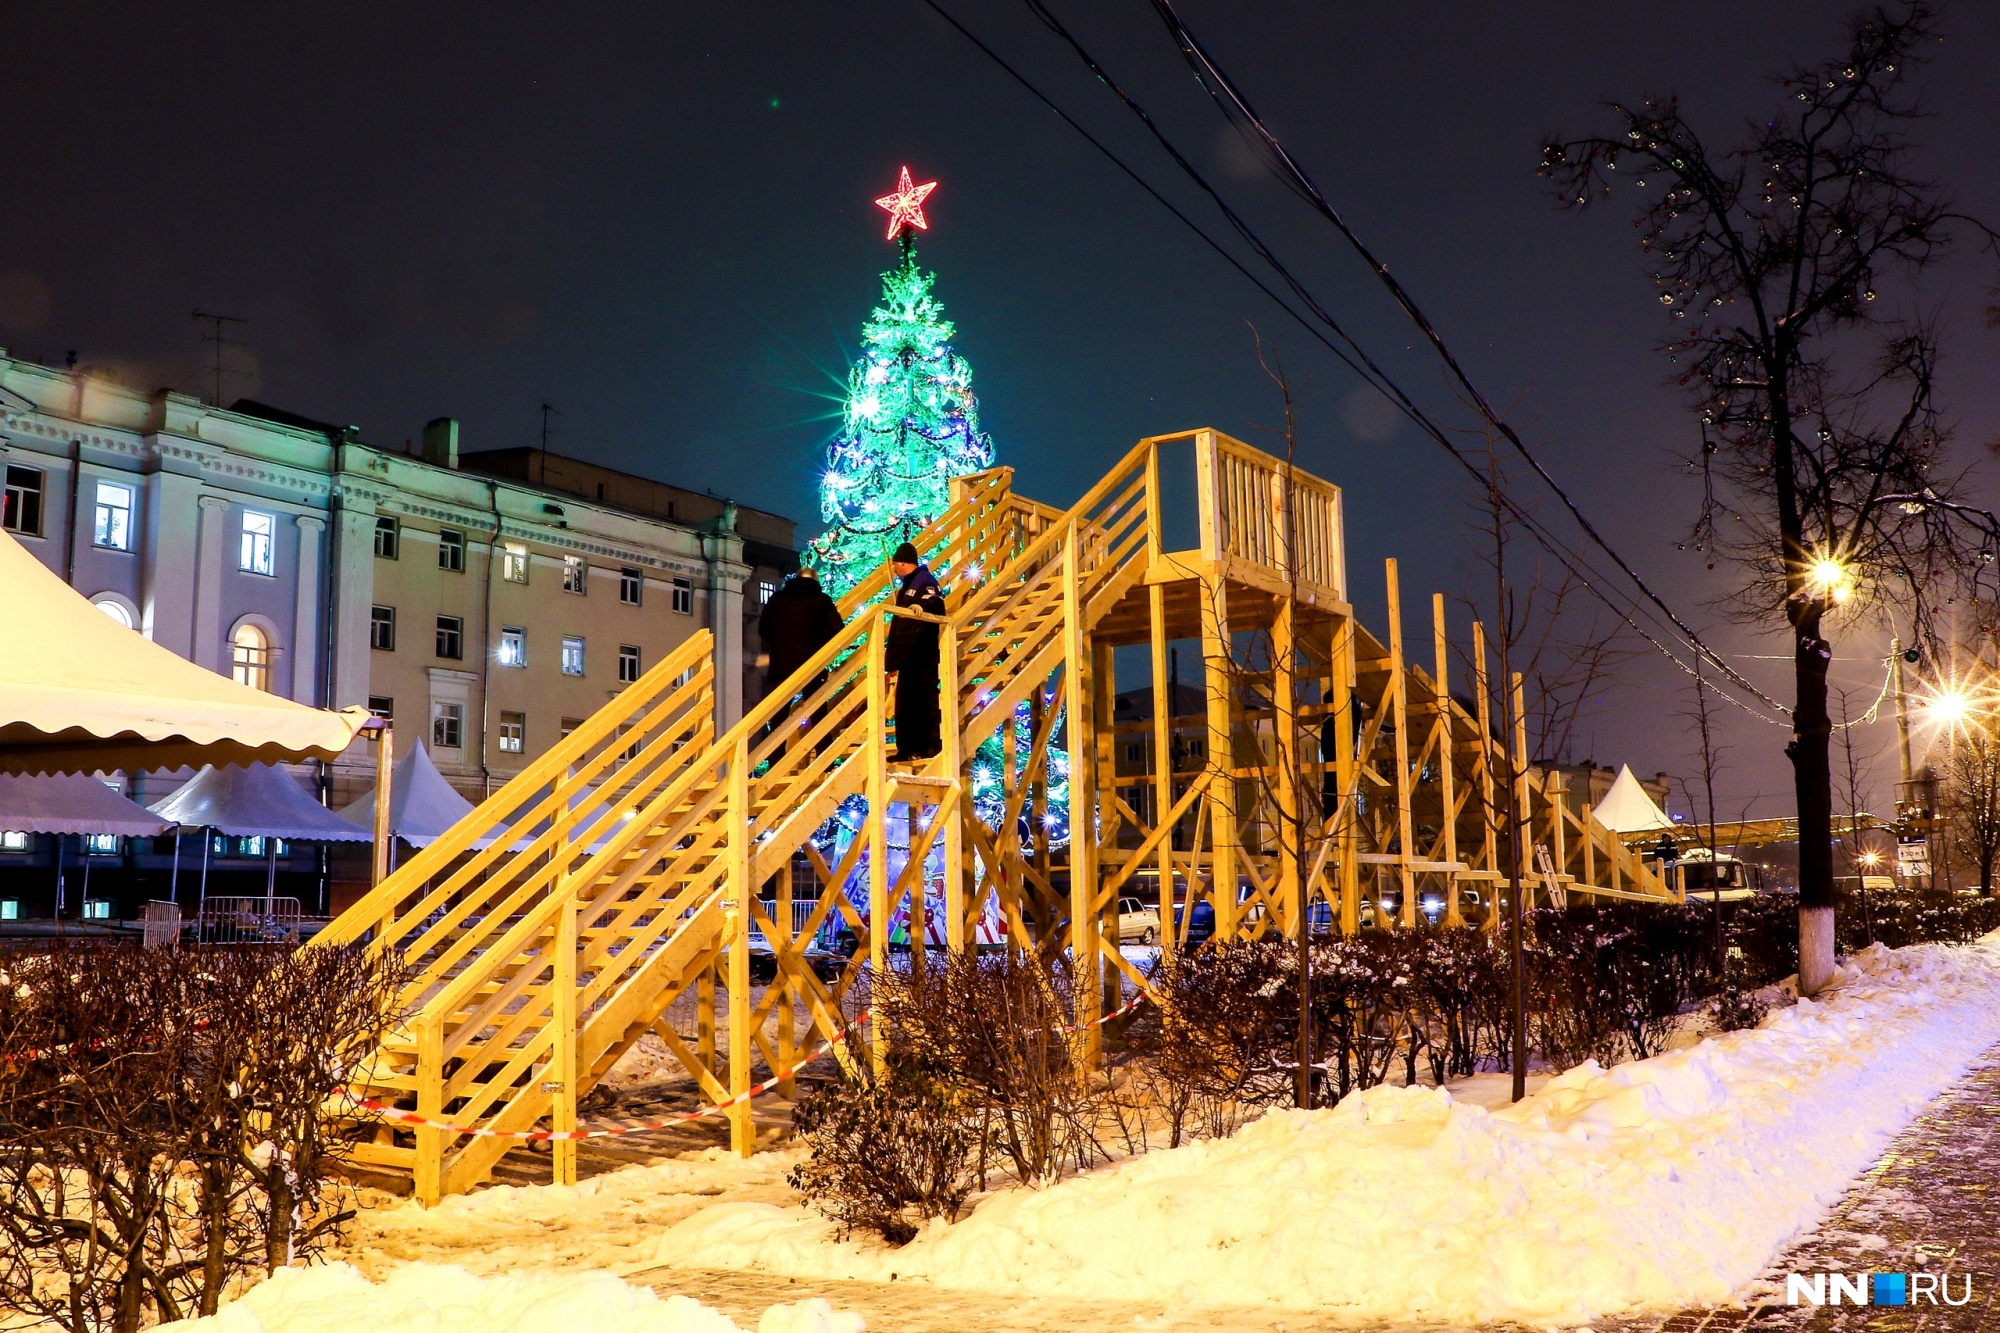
<point x="906" y="206"/>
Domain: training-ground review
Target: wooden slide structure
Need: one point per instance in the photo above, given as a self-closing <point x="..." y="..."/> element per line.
<point x="629" y="866"/>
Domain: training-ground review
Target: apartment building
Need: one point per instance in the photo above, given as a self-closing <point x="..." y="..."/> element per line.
<point x="485" y="602"/>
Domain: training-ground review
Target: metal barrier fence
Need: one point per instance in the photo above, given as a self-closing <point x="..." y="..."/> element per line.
<point x="255" y="920"/>
<point x="160" y="924"/>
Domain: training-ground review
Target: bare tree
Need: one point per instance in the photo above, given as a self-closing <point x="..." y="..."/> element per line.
<point x="1971" y="796"/>
<point x="1772" y="260"/>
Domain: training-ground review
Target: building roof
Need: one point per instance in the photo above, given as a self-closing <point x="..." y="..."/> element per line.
<point x="82" y="694"/>
<point x="258" y="801"/>
<point x="622" y="490"/>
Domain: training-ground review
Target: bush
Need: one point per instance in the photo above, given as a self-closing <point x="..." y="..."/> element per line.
<point x="887" y="1151"/>
<point x="164" y="1128"/>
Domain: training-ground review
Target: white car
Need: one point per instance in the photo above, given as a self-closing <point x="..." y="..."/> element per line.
<point x="1137" y="923"/>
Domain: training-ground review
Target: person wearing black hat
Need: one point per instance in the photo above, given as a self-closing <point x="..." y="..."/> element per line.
<point x="912" y="657"/>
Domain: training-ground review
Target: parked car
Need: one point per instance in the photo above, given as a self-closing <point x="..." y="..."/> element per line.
<point x="1137" y="923"/>
<point x="1200" y="927"/>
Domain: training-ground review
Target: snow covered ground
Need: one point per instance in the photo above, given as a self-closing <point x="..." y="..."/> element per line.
<point x="1657" y="1184"/>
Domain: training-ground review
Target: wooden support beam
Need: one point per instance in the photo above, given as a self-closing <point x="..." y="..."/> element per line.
<point x="1163" y="727"/>
<point x="957" y="873"/>
<point x="1077" y="700"/>
<point x="1399" y="685"/>
<point x="876" y="757"/>
<point x="561" y="1079"/>
<point x="736" y="918"/>
<point x="1454" y="914"/>
<point x="1487" y="811"/>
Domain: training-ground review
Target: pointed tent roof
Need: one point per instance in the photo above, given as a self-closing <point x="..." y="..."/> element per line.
<point x="72" y="803"/>
<point x="422" y="805"/>
<point x="1626" y="808"/>
<point x="259" y="801"/>
<point x="80" y="693"/>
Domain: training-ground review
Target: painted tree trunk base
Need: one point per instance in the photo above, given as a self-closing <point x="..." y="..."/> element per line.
<point x="1815" y="949"/>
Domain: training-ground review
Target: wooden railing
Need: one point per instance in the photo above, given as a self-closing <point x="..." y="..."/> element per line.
<point x="1245" y="515"/>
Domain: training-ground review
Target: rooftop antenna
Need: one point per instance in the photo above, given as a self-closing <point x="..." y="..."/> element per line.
<point x="217" y="334"/>
<point x="548" y="410"/>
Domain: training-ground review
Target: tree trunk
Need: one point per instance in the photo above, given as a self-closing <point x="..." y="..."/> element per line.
<point x="1812" y="779"/>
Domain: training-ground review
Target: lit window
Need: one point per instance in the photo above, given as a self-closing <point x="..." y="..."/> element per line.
<point x="382" y="706"/>
<point x="250" y="847"/>
<point x="628" y="663"/>
<point x="513" y="646"/>
<point x="10" y="909"/>
<point x="451" y="550"/>
<point x="450" y="637"/>
<point x="100" y="844"/>
<point x="631" y="586"/>
<point x="382" y="628"/>
<point x="447" y="726"/>
<point x="113" y="523"/>
<point x="250" y="657"/>
<point x="256" y="556"/>
<point x="576" y="574"/>
<point x="513" y="733"/>
<point x="572" y="655"/>
<point x="116" y="610"/>
<point x="97" y="909"/>
<point x="514" y="562"/>
<point x="13" y="842"/>
<point x="683" y="597"/>
<point x="22" y="511"/>
<point x="765" y="591"/>
<point x="388" y="538"/>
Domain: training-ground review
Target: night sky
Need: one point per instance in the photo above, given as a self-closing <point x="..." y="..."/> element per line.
<point x="659" y="218"/>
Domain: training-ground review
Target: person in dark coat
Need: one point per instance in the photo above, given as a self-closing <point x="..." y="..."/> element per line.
<point x="912" y="657"/>
<point x="798" y="621"/>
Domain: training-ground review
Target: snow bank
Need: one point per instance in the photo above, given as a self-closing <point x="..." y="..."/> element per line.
<point x="1657" y="1184"/>
<point x="434" y="1298"/>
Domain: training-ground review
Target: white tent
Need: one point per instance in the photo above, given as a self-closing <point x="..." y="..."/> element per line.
<point x="72" y="803"/>
<point x="1626" y="808"/>
<point x="80" y="693"/>
<point x="254" y="801"/>
<point x="422" y="805"/>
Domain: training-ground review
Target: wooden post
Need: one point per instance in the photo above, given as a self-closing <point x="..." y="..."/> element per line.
<point x="1454" y="914"/>
<point x="1293" y="894"/>
<point x="785" y="1006"/>
<point x="736" y="923"/>
<point x="956" y="921"/>
<point x="877" y="781"/>
<point x="1399" y="687"/>
<point x="1526" y="840"/>
<point x="1102" y="831"/>
<point x="1083" y="921"/>
<point x="1163" y="739"/>
<point x="562" y="1067"/>
<point x="1487" y="810"/>
<point x="385" y="772"/>
<point x="1347" y="776"/>
<point x="1218" y="666"/>
<point x="427" y="1176"/>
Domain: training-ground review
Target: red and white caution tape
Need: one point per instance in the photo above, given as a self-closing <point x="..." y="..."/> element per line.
<point x="411" y="1118"/>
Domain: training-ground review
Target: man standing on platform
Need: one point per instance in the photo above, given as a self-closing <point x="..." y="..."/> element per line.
<point x="912" y="657"/>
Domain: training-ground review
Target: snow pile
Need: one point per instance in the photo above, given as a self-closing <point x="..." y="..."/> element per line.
<point x="433" y="1298"/>
<point x="1661" y="1183"/>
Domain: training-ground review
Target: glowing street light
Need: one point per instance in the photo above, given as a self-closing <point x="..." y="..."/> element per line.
<point x="1832" y="577"/>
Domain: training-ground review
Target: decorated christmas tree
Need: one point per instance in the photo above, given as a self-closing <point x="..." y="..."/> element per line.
<point x="911" y="423"/>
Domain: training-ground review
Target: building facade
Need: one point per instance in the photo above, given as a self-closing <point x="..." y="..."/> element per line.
<point x="484" y="602"/>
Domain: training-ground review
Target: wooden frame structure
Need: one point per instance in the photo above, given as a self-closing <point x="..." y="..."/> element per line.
<point x="628" y="866"/>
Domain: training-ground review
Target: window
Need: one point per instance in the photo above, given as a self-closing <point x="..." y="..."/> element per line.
<point x="382" y="628"/>
<point x="112" y="528"/>
<point x="450" y="637"/>
<point x="513" y="733"/>
<point x="683" y="597"/>
<point x="245" y="848"/>
<point x="22" y="511"/>
<point x="514" y="562"/>
<point x="250" y="657"/>
<point x="1133" y="753"/>
<point x="97" y="909"/>
<point x="765" y="591"/>
<point x="576" y="574"/>
<point x="628" y="663"/>
<point x="572" y="655"/>
<point x="570" y="724"/>
<point x="388" y="538"/>
<point x="447" y="726"/>
<point x="13" y="842"/>
<point x="10" y="909"/>
<point x="631" y="586"/>
<point x="256" y="556"/>
<point x="100" y="844"/>
<point x="382" y="706"/>
<point x="116" y="610"/>
<point x="451" y="550"/>
<point x="513" y="646"/>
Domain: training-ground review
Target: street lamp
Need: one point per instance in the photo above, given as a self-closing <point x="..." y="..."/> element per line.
<point x="1831" y="576"/>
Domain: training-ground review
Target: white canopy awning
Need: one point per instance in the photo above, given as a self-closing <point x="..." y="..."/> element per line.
<point x="255" y="802"/>
<point x="1626" y="808"/>
<point x="72" y="803"/>
<point x="422" y="805"/>
<point x="82" y="694"/>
